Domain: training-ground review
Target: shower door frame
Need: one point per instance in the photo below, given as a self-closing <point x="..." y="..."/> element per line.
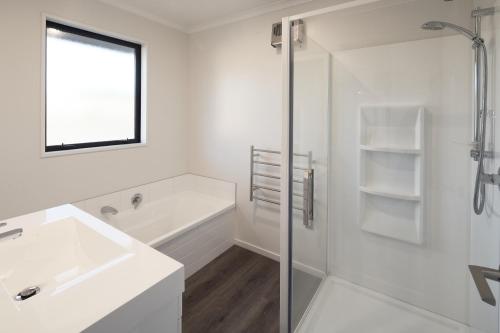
<point x="285" y="194"/>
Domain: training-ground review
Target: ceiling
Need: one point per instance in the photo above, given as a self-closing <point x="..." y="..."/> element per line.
<point x="386" y="22"/>
<point x="196" y="15"/>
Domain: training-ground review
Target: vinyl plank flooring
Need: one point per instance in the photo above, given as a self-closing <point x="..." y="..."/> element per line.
<point x="237" y="292"/>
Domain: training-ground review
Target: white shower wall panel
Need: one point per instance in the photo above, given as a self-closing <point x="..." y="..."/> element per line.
<point x="433" y="73"/>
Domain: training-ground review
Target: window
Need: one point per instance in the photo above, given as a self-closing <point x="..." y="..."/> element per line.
<point x="92" y="89"/>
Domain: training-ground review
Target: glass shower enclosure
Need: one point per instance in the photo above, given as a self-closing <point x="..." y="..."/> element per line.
<point x="383" y="122"/>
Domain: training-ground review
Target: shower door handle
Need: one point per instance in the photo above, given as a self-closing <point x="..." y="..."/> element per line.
<point x="479" y="275"/>
<point x="308" y="198"/>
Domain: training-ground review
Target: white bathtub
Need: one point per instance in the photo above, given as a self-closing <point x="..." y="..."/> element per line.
<point x="189" y="217"/>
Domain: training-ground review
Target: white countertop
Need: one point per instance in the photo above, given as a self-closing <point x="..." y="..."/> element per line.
<point x="85" y="269"/>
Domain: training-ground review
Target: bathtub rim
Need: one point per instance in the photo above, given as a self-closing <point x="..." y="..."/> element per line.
<point x="148" y="183"/>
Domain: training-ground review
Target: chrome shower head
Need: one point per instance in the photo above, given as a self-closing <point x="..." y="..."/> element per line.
<point x="438" y="25"/>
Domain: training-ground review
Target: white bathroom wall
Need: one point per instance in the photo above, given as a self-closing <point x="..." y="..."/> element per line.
<point x="235" y="95"/>
<point x="235" y="101"/>
<point x="432" y="73"/>
<point x="30" y="182"/>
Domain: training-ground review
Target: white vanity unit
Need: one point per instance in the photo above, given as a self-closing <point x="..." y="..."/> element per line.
<point x="63" y="270"/>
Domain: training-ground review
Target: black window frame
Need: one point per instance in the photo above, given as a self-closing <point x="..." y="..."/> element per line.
<point x="138" y="88"/>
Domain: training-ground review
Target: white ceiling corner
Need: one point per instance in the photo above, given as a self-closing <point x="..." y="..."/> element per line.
<point x="124" y="5"/>
<point x="196" y="15"/>
<point x="249" y="13"/>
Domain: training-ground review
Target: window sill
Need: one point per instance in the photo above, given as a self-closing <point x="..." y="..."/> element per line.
<point x="91" y="150"/>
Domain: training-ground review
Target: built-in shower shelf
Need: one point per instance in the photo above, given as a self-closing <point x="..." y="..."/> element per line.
<point x="391" y="167"/>
<point x="395" y="150"/>
<point x="390" y="194"/>
<point x="407" y="232"/>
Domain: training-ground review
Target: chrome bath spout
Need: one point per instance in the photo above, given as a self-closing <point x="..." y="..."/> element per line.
<point x="108" y="210"/>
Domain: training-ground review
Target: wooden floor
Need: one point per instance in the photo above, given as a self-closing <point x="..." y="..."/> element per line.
<point x="237" y="292"/>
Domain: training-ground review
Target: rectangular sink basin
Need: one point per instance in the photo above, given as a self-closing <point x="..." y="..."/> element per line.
<point x="84" y="268"/>
<point x="53" y="255"/>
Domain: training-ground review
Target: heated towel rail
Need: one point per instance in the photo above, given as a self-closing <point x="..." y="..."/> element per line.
<point x="307" y="181"/>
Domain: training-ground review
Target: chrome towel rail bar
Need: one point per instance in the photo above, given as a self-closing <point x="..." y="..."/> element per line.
<point x="253" y="162"/>
<point x="267" y="163"/>
<point x="277" y="152"/>
<point x="266" y="175"/>
<point x="262" y="187"/>
<point x="274" y="177"/>
<point x="307" y="181"/>
<point x="275" y="202"/>
<point x="278" y="165"/>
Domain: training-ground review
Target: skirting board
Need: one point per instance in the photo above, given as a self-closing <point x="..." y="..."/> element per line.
<point x="276" y="257"/>
<point x="257" y="249"/>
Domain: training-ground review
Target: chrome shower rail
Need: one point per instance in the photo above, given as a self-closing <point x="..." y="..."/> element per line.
<point x="480" y="110"/>
<point x="307" y="195"/>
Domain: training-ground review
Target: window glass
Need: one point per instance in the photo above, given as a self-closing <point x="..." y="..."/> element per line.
<point x="92" y="95"/>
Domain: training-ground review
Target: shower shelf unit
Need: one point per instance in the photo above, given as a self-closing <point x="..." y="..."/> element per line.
<point x="391" y="168"/>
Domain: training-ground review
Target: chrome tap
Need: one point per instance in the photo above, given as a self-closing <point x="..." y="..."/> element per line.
<point x="136" y="200"/>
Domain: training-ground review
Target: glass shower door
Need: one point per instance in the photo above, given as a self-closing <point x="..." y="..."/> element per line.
<point x="308" y="223"/>
<point x="380" y="121"/>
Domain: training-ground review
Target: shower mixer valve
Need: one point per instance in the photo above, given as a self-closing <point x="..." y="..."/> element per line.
<point x="474" y="153"/>
<point x="491" y="178"/>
